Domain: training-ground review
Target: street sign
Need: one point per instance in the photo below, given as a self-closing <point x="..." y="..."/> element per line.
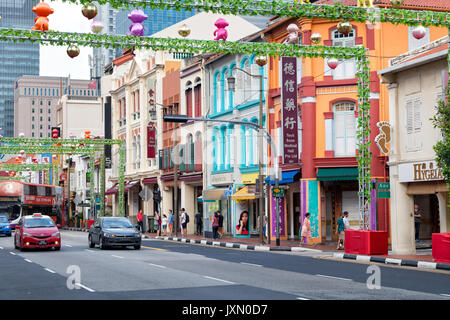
<point x="383" y="186"/>
<point x="384" y="194"/>
<point x="278" y="192"/>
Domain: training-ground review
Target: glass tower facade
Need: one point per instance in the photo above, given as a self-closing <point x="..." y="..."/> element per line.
<point x="16" y="59"/>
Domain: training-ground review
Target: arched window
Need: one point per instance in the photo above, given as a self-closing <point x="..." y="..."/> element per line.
<point x="345" y="69"/>
<point x="198" y="97"/>
<point x="344" y="129"/>
<point x="188" y="95"/>
<point x="247" y="81"/>
<point x="223" y="148"/>
<point x="225" y="101"/>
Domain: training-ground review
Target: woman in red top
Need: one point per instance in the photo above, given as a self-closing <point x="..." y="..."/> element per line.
<point x="215" y="225"/>
<point x="242" y="227"/>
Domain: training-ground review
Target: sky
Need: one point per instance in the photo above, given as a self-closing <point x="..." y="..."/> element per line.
<point x="54" y="60"/>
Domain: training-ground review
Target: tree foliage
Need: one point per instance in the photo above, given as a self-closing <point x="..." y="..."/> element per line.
<point x="441" y="120"/>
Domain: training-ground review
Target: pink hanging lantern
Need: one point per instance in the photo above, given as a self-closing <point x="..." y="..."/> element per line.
<point x="21" y="135"/>
<point x="137" y="16"/>
<point x="221" y="33"/>
<point x="333" y="63"/>
<point x="22" y="152"/>
<point x="96" y="26"/>
<point x="419" y="32"/>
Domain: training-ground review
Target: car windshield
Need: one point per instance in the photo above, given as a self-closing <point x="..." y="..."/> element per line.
<point x="4" y="219"/>
<point x="39" y="223"/>
<point x="117" y="223"/>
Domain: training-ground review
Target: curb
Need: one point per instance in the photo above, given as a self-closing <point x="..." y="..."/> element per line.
<point x="237" y="245"/>
<point x="399" y="262"/>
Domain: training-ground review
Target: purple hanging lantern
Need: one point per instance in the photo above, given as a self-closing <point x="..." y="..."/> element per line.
<point x="137" y="17"/>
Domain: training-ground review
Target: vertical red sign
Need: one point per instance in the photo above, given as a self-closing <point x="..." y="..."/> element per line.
<point x="289" y="109"/>
<point x="151" y="141"/>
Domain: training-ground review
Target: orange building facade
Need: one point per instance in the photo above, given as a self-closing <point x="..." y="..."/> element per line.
<point x="328" y="109"/>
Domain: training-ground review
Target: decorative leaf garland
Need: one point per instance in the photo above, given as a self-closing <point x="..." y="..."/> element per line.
<point x="286" y="9"/>
<point x="26" y="166"/>
<point x="178" y="45"/>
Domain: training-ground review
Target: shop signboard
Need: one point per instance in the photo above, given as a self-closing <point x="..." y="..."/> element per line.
<point x="151" y="141"/>
<point x="419" y="172"/>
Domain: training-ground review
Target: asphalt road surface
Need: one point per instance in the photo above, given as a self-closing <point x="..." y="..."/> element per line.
<point x="172" y="271"/>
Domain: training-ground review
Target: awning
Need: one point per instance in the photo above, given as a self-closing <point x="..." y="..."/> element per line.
<point x="113" y="190"/>
<point x="150" y="180"/>
<point x="131" y="185"/>
<point x="286" y="177"/>
<point x="200" y="199"/>
<point x="244" y="194"/>
<point x="337" y="174"/>
<point x="214" y="194"/>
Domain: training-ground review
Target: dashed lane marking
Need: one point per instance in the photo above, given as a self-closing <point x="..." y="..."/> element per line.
<point x="49" y="270"/>
<point x="338" y="278"/>
<point x="84" y="287"/>
<point x="159" y="249"/>
<point x="68" y="245"/>
<point x="116" y="256"/>
<point x="12" y="253"/>
<point x="445" y="295"/>
<point x="301" y="298"/>
<point x="89" y="250"/>
<point x="218" y="280"/>
<point x="157" y="265"/>
<point x="251" y="264"/>
<point x="28" y="260"/>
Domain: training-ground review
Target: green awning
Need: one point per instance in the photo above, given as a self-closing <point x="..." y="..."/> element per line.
<point x="337" y="174"/>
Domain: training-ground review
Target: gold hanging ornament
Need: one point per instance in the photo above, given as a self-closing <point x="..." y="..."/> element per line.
<point x="316" y="38"/>
<point x="397" y="3"/>
<point x="89" y="10"/>
<point x="184" y="31"/>
<point x="261" y="60"/>
<point x="73" y="51"/>
<point x="344" y="27"/>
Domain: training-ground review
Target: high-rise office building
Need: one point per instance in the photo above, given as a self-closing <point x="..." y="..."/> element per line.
<point x="16" y="59"/>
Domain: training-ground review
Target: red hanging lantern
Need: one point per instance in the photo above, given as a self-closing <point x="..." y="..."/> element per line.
<point x="419" y="32"/>
<point x="333" y="63"/>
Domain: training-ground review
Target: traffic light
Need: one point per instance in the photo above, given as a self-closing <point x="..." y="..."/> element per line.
<point x="56" y="132"/>
<point x="87" y="134"/>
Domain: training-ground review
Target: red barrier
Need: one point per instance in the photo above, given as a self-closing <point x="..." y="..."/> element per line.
<point x="366" y="242"/>
<point x="89" y="223"/>
<point x="441" y="247"/>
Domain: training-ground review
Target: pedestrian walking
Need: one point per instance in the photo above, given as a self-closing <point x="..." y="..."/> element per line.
<point x="199" y="223"/>
<point x="157" y="223"/>
<point x="140" y="218"/>
<point x="346" y="222"/>
<point x="340" y="231"/>
<point x="164" y="225"/>
<point x="215" y="225"/>
<point x="220" y="230"/>
<point x="418" y="214"/>
<point x="306" y="229"/>
<point x="266" y="222"/>
<point x="183" y="222"/>
<point x="171" y="221"/>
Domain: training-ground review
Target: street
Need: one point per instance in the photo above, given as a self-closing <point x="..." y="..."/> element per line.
<point x="168" y="270"/>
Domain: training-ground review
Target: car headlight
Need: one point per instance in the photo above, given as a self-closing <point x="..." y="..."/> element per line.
<point x="108" y="235"/>
<point x="55" y="234"/>
<point x="27" y="235"/>
<point x="137" y="234"/>
<point x="7" y="227"/>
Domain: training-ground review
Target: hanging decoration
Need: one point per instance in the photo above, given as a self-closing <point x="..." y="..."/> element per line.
<point x="333" y="63"/>
<point x="261" y="60"/>
<point x="221" y="33"/>
<point x="365" y="3"/>
<point x="89" y="10"/>
<point x="42" y="10"/>
<point x="292" y="37"/>
<point x="316" y="38"/>
<point x="184" y="31"/>
<point x="96" y="26"/>
<point x="419" y="32"/>
<point x="344" y="27"/>
<point x="21" y="135"/>
<point x="73" y="51"/>
<point x="137" y="17"/>
<point x="397" y="3"/>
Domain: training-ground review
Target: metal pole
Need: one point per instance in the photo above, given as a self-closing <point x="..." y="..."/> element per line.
<point x="261" y="147"/>
<point x="68" y="178"/>
<point x="175" y="182"/>
<point x="277" y="213"/>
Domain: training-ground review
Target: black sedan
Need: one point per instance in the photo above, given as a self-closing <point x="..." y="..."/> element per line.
<point x="114" y="231"/>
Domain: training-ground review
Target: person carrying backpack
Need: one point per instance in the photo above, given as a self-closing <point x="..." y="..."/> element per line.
<point x="184" y="219"/>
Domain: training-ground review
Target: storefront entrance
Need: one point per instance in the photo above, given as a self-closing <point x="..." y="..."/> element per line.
<point x="430" y="220"/>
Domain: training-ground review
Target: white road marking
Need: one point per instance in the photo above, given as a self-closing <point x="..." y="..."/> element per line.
<point x="321" y="275"/>
<point x="68" y="245"/>
<point x="300" y="298"/>
<point x="445" y="295"/>
<point x="251" y="264"/>
<point x="218" y="280"/>
<point x="117" y="256"/>
<point x="49" y="270"/>
<point x="1" y="248"/>
<point x="12" y="253"/>
<point x="28" y="260"/>
<point x="157" y="265"/>
<point x="84" y="287"/>
<point x="89" y="250"/>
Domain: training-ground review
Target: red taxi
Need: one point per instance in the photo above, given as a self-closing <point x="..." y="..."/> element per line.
<point x="37" y="231"/>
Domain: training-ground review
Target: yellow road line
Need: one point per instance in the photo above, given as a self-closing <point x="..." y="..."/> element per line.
<point x="154" y="248"/>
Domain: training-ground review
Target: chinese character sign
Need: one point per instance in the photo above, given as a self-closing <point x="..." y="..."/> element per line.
<point x="289" y="109"/>
<point x="151" y="141"/>
<point x="281" y="217"/>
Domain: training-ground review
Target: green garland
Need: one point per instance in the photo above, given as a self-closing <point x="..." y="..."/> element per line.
<point x="177" y="45"/>
<point x="285" y="9"/>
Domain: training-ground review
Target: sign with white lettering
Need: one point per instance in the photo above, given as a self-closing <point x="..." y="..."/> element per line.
<point x="419" y="172"/>
<point x="289" y="109"/>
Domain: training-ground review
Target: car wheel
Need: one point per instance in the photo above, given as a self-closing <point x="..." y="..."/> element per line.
<point x="21" y="247"/>
<point x="91" y="244"/>
<point x="102" y="244"/>
<point x="8" y="235"/>
<point x="137" y="247"/>
<point x="15" y="243"/>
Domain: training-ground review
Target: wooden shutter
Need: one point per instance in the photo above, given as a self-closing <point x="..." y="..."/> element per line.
<point x="410" y="137"/>
<point x="339" y="133"/>
<point x="189" y="102"/>
<point x="254" y="92"/>
<point x="350" y="133"/>
<point x="198" y="101"/>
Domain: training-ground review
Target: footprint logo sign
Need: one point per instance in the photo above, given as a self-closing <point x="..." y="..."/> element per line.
<point x="384" y="138"/>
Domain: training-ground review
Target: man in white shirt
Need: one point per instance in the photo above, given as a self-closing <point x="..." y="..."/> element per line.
<point x="346" y="223"/>
<point x="183" y="222"/>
